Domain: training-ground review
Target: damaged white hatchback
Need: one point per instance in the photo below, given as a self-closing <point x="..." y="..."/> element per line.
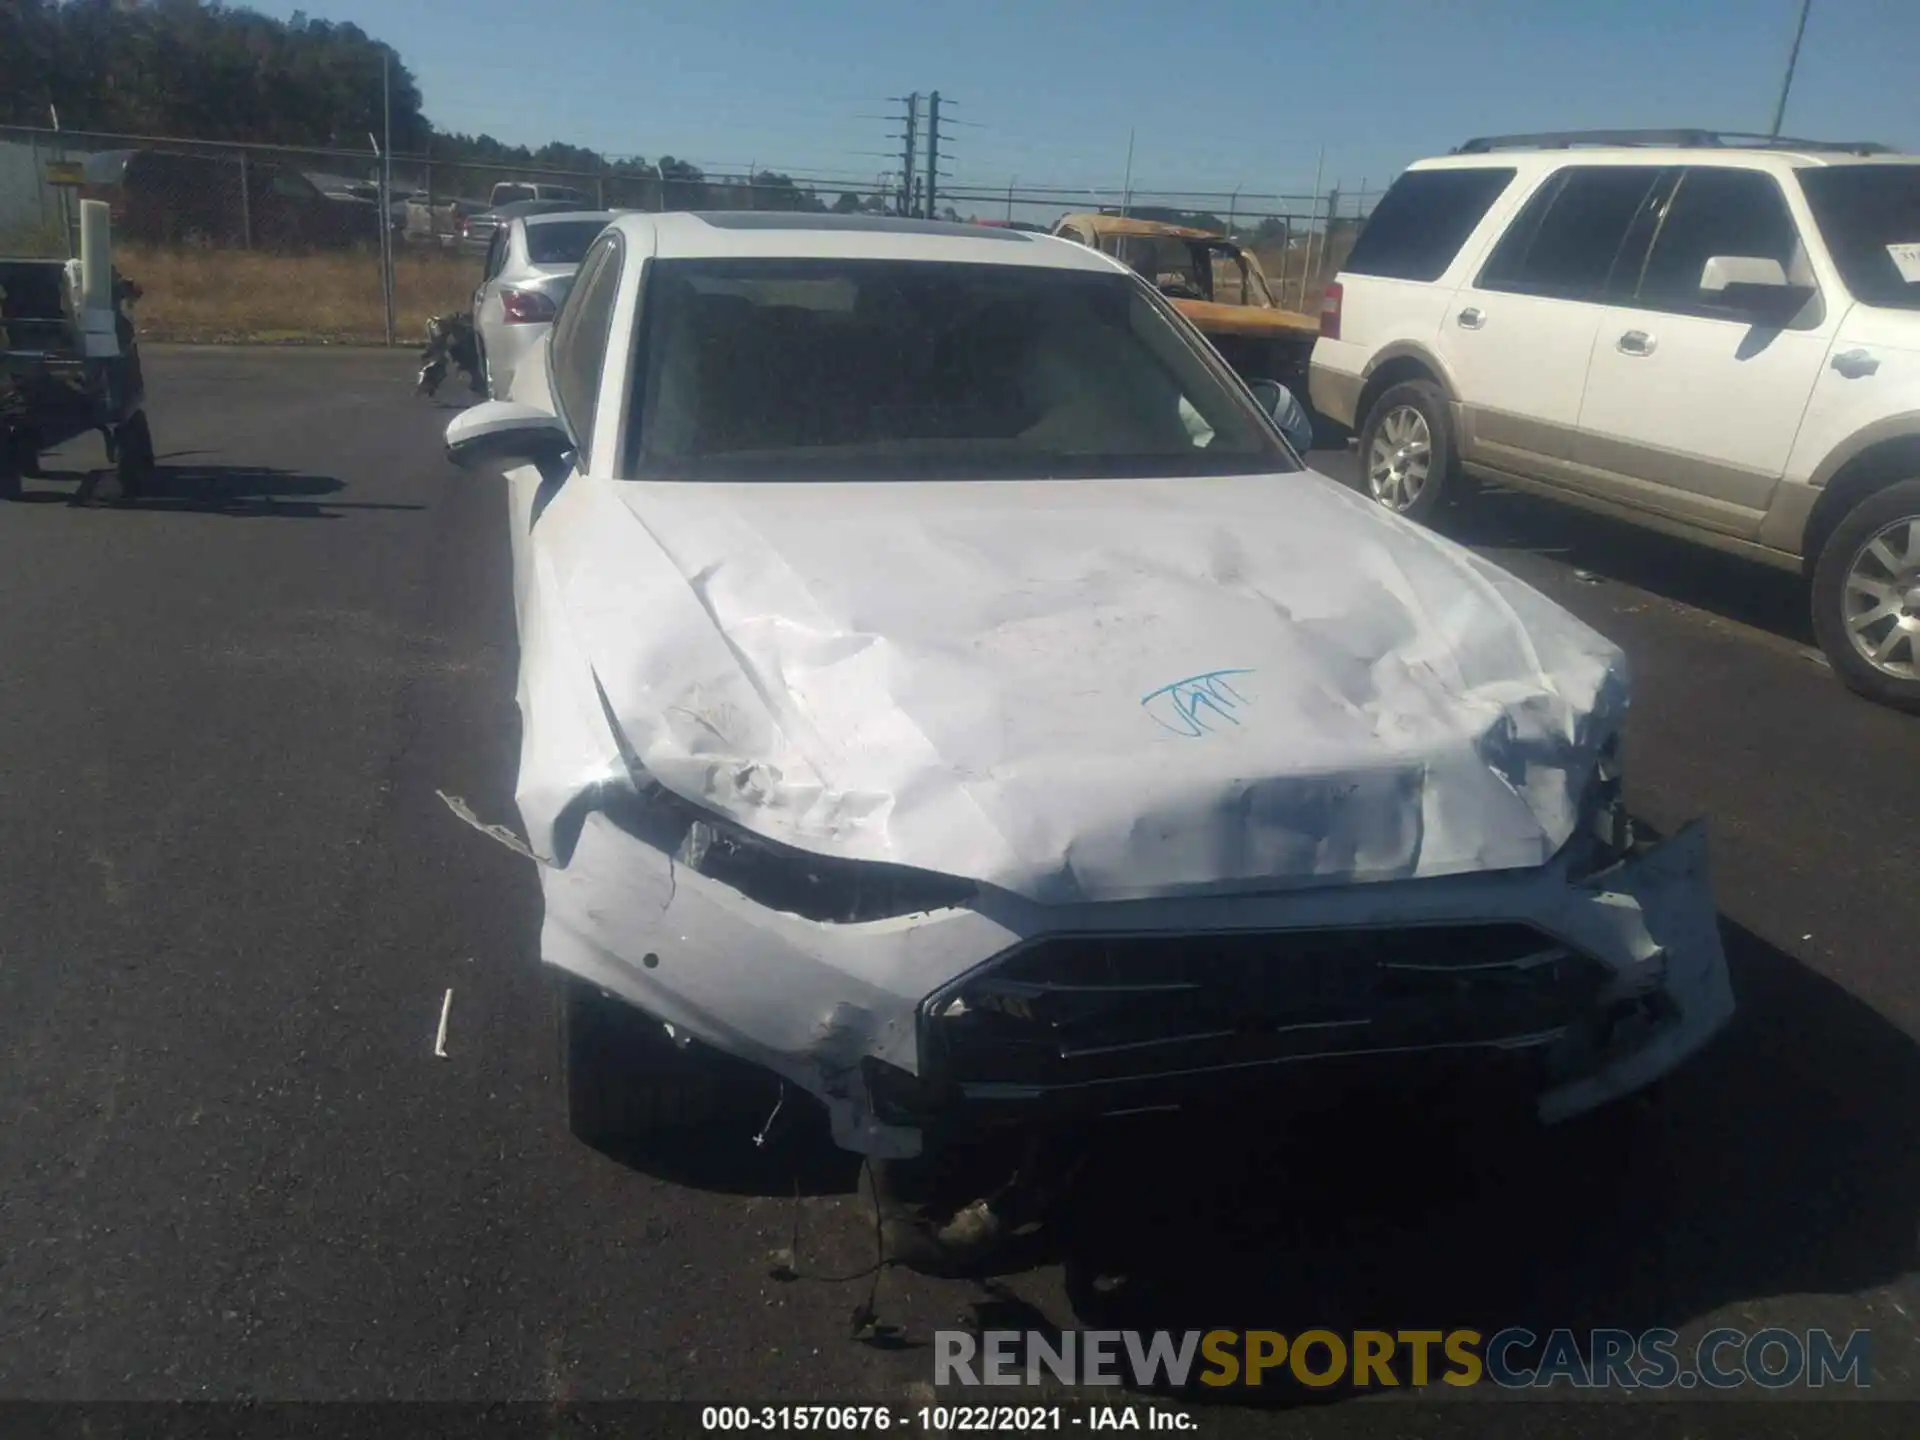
<point x="944" y="689"/>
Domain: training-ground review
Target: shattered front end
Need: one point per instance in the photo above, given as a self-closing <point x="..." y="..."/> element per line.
<point x="916" y="1006"/>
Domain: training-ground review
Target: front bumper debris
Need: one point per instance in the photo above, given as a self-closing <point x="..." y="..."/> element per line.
<point x="1007" y="1011"/>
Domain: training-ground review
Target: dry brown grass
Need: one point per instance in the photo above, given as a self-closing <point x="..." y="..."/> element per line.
<point x="228" y="296"/>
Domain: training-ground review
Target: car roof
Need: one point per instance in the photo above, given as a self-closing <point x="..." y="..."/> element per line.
<point x="1132" y="225"/>
<point x="687" y="235"/>
<point x="531" y="207"/>
<point x="1731" y="157"/>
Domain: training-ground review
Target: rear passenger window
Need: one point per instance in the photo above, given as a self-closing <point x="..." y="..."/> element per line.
<point x="1715" y="212"/>
<point x="1423" y="220"/>
<point x="579" y="339"/>
<point x="1564" y="241"/>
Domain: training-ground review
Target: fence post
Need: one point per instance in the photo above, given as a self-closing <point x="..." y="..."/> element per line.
<point x="600" y="185"/>
<point x="246" y="205"/>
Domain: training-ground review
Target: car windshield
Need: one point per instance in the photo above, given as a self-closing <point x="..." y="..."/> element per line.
<point x="561" y="242"/>
<point x="1869" y="216"/>
<point x="879" y="369"/>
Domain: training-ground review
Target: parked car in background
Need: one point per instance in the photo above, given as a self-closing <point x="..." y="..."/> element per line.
<point x="530" y="265"/>
<point x="165" y="197"/>
<point x="506" y="192"/>
<point x="1713" y="336"/>
<point x="476" y="231"/>
<point x="431" y="221"/>
<point x="1216" y="283"/>
<point x="944" y="690"/>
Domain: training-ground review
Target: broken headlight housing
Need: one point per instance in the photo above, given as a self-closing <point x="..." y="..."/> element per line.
<point x="823" y="888"/>
<point x="817" y="887"/>
<point x="1604" y="835"/>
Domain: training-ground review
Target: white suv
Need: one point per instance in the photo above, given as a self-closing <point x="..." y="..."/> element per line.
<point x="1710" y="336"/>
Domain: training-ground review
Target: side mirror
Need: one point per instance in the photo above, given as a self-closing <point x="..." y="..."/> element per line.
<point x="1287" y="412"/>
<point x="500" y="434"/>
<point x="1723" y="271"/>
<point x="1754" y="284"/>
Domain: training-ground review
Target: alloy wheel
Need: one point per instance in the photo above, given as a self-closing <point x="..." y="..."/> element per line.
<point x="1882" y="600"/>
<point x="1399" y="458"/>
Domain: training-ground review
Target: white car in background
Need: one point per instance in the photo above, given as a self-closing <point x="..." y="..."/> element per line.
<point x="944" y="688"/>
<point x="530" y="265"/>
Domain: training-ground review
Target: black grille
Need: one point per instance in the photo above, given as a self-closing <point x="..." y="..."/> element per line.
<point x="1091" y="1011"/>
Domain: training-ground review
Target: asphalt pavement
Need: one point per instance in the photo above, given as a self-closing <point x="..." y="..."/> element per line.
<point x="232" y="902"/>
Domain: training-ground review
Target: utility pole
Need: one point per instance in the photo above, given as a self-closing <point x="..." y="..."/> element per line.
<point x="910" y="154"/>
<point x="1793" y="59"/>
<point x="933" y="152"/>
<point x="386" y="184"/>
<point x="1306" y="268"/>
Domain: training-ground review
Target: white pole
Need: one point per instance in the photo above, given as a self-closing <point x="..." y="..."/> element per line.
<point x="1306" y="268"/>
<point x="386" y="185"/>
<point x="1126" y="190"/>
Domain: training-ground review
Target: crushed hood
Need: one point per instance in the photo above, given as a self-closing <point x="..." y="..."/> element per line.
<point x="1090" y="689"/>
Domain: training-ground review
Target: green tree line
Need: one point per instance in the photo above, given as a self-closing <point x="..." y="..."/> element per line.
<point x="204" y="71"/>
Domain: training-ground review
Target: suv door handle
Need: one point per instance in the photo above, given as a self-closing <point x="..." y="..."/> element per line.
<point x="1855" y="363"/>
<point x="1471" y="318"/>
<point x="1635" y="342"/>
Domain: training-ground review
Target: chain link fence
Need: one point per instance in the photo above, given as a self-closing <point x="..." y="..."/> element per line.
<point x="266" y="243"/>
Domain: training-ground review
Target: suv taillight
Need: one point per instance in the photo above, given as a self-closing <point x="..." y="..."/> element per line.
<point x="1330" y="311"/>
<point x="527" y="307"/>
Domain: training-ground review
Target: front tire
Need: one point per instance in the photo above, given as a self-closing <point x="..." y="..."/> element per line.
<point x="626" y="1080"/>
<point x="1866" y="596"/>
<point x="133" y="459"/>
<point x="1406" y="450"/>
<point x="14" y="463"/>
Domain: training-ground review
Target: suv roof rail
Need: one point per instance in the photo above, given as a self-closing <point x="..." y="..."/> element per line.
<point x="1666" y="139"/>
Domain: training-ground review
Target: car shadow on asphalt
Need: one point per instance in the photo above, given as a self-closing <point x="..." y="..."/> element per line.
<point x="1725" y="585"/>
<point x="1782" y="1160"/>
<point x="238" y="491"/>
<point x="767" y="1140"/>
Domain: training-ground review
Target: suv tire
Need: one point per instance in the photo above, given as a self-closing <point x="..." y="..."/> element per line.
<point x="12" y="466"/>
<point x="1868" y="564"/>
<point x="1406" y="450"/>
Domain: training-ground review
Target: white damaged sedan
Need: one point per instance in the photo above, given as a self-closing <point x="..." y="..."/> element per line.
<point x="944" y="688"/>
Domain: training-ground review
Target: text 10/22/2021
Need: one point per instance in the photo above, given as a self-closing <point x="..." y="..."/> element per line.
<point x="941" y="1419"/>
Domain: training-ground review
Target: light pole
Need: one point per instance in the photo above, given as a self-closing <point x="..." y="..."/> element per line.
<point x="1793" y="58"/>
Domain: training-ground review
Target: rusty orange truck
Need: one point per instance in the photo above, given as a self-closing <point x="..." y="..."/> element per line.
<point x="1215" y="283"/>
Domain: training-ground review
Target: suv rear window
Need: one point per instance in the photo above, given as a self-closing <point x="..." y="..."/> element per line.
<point x="1423" y="220"/>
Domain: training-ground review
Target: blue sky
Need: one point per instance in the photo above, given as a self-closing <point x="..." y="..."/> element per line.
<point x="1220" y="93"/>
